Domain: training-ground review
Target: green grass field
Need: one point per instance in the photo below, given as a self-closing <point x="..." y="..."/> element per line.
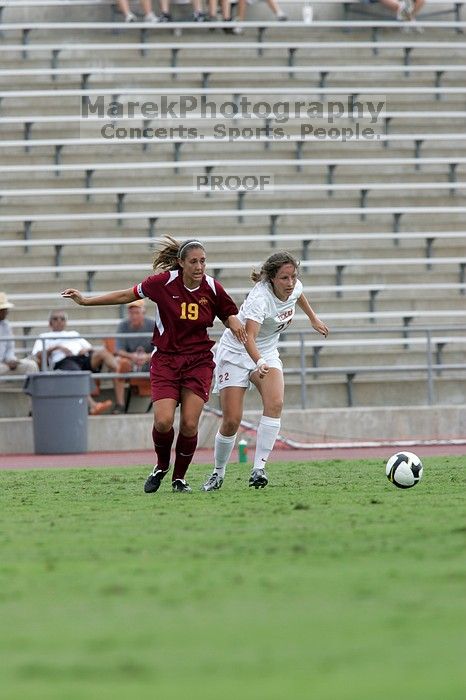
<point x="330" y="584"/>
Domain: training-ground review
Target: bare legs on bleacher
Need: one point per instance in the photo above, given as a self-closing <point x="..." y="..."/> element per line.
<point x="273" y="4"/>
<point x="405" y="10"/>
<point x="146" y="5"/>
<point x="226" y="9"/>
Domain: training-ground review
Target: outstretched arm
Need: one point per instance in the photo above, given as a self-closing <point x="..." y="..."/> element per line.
<point x="316" y="323"/>
<point x="122" y="296"/>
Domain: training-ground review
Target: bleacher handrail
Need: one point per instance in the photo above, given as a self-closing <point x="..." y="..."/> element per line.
<point x="296" y="162"/>
<point x="432" y="368"/>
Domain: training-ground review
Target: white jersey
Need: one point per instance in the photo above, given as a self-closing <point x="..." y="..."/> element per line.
<point x="273" y="314"/>
<point x="71" y="340"/>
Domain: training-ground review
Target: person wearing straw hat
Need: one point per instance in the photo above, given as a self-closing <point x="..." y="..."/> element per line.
<point x="9" y="363"/>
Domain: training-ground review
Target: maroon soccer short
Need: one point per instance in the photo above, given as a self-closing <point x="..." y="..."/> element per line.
<point x="170" y="373"/>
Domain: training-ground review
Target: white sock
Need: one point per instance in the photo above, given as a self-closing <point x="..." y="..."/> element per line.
<point x="266" y="435"/>
<point x="222" y="452"/>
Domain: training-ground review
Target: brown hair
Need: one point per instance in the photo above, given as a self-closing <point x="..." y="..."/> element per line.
<point x="167" y="257"/>
<point x="272" y="265"/>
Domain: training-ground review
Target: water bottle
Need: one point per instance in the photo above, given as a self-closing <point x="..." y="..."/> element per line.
<point x="307" y="13"/>
<point x="137" y="366"/>
<point x="243" y="451"/>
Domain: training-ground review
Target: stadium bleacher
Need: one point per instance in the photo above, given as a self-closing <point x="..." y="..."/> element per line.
<point x="379" y="224"/>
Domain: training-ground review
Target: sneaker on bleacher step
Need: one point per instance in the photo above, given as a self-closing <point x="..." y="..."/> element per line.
<point x="130" y="17"/>
<point x="281" y="17"/>
<point x="165" y="17"/>
<point x="405" y="11"/>
<point x="199" y="17"/>
<point x="237" y="30"/>
<point x="413" y="26"/>
<point x="151" y="18"/>
<point x="227" y="30"/>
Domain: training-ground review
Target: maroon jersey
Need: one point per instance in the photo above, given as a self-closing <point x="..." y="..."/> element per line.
<point x="183" y="315"/>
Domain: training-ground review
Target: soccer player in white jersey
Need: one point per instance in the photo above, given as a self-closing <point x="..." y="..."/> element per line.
<point x="268" y="310"/>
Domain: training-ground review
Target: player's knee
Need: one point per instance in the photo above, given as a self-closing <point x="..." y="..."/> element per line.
<point x="274" y="407"/>
<point x="230" y="424"/>
<point x="189" y="428"/>
<point x="163" y="424"/>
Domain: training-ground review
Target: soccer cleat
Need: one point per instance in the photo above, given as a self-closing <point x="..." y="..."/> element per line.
<point x="258" y="479"/>
<point x="181" y="486"/>
<point x="154" y="480"/>
<point x="213" y="483"/>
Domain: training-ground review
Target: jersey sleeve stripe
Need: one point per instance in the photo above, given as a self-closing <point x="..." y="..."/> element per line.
<point x="211" y="282"/>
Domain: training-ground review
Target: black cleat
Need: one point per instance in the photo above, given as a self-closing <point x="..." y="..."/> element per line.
<point x="154" y="480"/>
<point x="181" y="486"/>
<point x="258" y="479"/>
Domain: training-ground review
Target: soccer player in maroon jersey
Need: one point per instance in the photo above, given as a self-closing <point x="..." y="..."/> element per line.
<point x="182" y="363"/>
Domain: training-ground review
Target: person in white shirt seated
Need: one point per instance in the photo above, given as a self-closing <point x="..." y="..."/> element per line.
<point x="62" y="349"/>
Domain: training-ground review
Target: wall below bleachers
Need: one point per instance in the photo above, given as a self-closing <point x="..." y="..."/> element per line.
<point x="109" y="433"/>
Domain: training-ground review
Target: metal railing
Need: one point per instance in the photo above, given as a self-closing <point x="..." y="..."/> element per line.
<point x="432" y="341"/>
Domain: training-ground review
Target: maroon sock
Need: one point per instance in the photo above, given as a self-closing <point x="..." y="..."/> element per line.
<point x="162" y="445"/>
<point x="184" y="452"/>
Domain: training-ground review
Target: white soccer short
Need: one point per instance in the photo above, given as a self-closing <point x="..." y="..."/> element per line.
<point x="234" y="368"/>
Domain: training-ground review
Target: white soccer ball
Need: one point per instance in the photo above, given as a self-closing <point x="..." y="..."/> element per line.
<point x="404" y="469"/>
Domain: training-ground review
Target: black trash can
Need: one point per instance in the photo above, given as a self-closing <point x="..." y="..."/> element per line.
<point x="59" y="411"/>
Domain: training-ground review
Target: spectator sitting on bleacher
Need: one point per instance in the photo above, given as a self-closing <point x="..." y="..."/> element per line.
<point x="67" y="350"/>
<point x="226" y="13"/>
<point x="165" y="14"/>
<point x="273" y="4"/>
<point x="134" y="352"/>
<point x="8" y="360"/>
<point x="149" y="16"/>
<point x="405" y="10"/>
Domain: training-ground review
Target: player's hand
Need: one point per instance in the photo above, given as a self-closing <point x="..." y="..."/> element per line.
<point x="320" y="327"/>
<point x="75" y="295"/>
<point x="263" y="370"/>
<point x="238" y="330"/>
